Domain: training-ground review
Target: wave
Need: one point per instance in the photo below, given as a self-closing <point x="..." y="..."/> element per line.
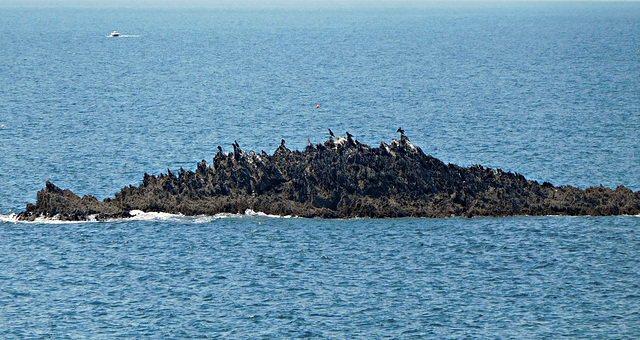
<point x="13" y="218"/>
<point x="9" y="218"/>
<point x="250" y="212"/>
<point x="161" y="216"/>
<point x="138" y="215"/>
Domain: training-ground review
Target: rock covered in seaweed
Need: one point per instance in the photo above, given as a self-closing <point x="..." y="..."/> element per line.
<point x="339" y="178"/>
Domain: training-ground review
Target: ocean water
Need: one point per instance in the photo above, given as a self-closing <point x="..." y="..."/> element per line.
<point x="263" y="277"/>
<point x="548" y="90"/>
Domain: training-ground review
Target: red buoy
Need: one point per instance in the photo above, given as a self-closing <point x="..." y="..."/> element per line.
<point x="318" y="106"/>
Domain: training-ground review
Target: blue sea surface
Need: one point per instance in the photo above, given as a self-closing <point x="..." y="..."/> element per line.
<point x="547" y="89"/>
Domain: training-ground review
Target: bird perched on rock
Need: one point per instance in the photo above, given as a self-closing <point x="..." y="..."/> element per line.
<point x="331" y="133"/>
<point x="401" y="131"/>
<point x="219" y="148"/>
<point x="282" y="142"/>
<point x="350" y="138"/>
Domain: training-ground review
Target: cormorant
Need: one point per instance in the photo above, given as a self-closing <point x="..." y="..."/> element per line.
<point x="282" y="142"/>
<point x="219" y="148"/>
<point x="401" y="131"/>
<point x="350" y="138"/>
<point x="331" y="133"/>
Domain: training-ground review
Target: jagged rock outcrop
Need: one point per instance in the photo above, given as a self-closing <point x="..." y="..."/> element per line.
<point x="339" y="178"/>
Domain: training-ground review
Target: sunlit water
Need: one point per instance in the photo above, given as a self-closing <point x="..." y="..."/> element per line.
<point x="549" y="90"/>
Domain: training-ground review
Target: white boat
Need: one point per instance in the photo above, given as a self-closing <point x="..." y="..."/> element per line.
<point x="114" y="34"/>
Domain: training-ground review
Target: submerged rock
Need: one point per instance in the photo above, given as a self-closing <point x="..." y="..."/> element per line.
<point x="340" y="178"/>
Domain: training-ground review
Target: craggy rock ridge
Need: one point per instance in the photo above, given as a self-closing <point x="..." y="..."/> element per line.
<point x="340" y="178"/>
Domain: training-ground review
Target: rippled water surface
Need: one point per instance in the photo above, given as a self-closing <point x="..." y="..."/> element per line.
<point x="549" y="90"/>
<point x="252" y="277"/>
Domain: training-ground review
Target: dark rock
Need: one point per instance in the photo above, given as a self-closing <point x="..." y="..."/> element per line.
<point x="339" y="178"/>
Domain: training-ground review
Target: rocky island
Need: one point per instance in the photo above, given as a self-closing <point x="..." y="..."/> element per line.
<point x="339" y="178"/>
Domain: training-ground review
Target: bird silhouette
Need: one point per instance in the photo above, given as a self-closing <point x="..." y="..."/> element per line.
<point x="331" y="133"/>
<point x="401" y="131"/>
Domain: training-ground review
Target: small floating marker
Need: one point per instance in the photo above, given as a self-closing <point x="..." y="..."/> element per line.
<point x="318" y="106"/>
